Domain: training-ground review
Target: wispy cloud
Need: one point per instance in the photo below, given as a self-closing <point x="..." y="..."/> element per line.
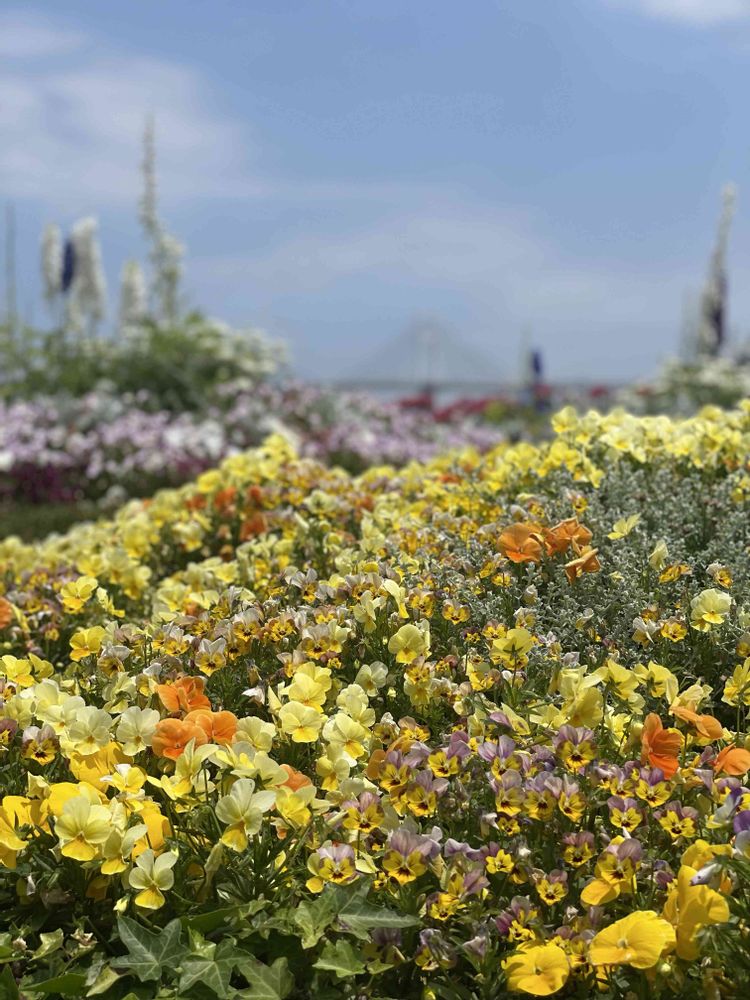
<point x="501" y="274"/>
<point x="72" y="127"/>
<point x="701" y="13"/>
<point x="28" y="35"/>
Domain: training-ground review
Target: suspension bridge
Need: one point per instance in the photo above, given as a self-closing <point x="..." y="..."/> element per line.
<point x="428" y="362"/>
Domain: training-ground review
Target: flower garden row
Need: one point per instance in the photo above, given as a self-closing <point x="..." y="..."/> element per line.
<point x="470" y="729"/>
<point x="107" y="445"/>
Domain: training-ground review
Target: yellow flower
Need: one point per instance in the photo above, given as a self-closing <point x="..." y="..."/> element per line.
<point x="152" y="876"/>
<point x="709" y="608"/>
<point x="301" y="722"/>
<point x="118" y="848"/>
<point x="540" y="970"/>
<point x="660" y="681"/>
<point x="82" y="828"/>
<point x="658" y="558"/>
<point x="640" y="940"/>
<point x="11" y="817"/>
<point x="512" y="648"/>
<point x="89" y="732"/>
<point x="242" y="811"/>
<point x="737" y="688"/>
<point x="690" y="908"/>
<point x="410" y="642"/>
<point x="623" y="527"/>
<point x="76" y="593"/>
<point x="85" y="642"/>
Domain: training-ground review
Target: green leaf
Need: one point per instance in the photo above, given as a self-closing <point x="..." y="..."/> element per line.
<point x="50" y="942"/>
<point x="8" y="985"/>
<point x="207" y="922"/>
<point x="148" y="952"/>
<point x="69" y="984"/>
<point x="312" y="917"/>
<point x="213" y="972"/>
<point x="341" y="959"/>
<point x="107" y="977"/>
<point x="266" y="982"/>
<point x="356" y="915"/>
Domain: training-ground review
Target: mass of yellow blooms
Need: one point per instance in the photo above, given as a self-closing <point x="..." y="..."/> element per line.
<point x="477" y="725"/>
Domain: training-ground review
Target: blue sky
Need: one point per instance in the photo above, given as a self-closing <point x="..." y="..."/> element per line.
<point x="337" y="168"/>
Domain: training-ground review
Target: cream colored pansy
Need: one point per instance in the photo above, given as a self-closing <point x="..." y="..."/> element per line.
<point x="242" y="812"/>
<point x="88" y="732"/>
<point x="259" y="734"/>
<point x="136" y="728"/>
<point x="709" y="608"/>
<point x="152" y="876"/>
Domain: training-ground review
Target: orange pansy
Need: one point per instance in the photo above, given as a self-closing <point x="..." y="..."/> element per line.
<point x="522" y="543"/>
<point x="732" y="760"/>
<point x="6" y="613"/>
<point x="705" y="725"/>
<point x="570" y="531"/>
<point x="660" y="746"/>
<point x="219" y="727"/>
<point x="184" y="695"/>
<point x="173" y="735"/>
<point x="296" y="778"/>
<point x="586" y="562"/>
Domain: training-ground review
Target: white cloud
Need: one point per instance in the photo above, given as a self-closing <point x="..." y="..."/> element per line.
<point x="28" y="35"/>
<point x="72" y="128"/>
<point x="499" y="273"/>
<point x="696" y="12"/>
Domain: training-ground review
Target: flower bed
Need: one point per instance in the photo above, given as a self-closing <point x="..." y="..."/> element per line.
<point x="103" y="446"/>
<point x="472" y="728"/>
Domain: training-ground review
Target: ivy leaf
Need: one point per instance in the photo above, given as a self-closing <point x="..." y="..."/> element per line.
<point x="213" y="972"/>
<point x="272" y="982"/>
<point x="8" y="985"/>
<point x="312" y="917"/>
<point x="356" y="915"/>
<point x="69" y="984"/>
<point x="207" y="922"/>
<point x="148" y="952"/>
<point x="341" y="959"/>
<point x="101" y="983"/>
<point x="50" y="942"/>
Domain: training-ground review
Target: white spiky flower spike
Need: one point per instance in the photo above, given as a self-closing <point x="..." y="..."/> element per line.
<point x="52" y="261"/>
<point x="133" y="306"/>
<point x="89" y="289"/>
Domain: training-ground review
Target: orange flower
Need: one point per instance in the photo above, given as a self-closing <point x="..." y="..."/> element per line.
<point x="254" y="525"/>
<point x="570" y="531"/>
<point x="522" y="543"/>
<point x="219" y="727"/>
<point x="705" y="725"/>
<point x="184" y="695"/>
<point x="732" y="760"/>
<point x="173" y="735"/>
<point x="224" y="498"/>
<point x="660" y="746"/>
<point x="296" y="778"/>
<point x="586" y="562"/>
<point x="6" y="613"/>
